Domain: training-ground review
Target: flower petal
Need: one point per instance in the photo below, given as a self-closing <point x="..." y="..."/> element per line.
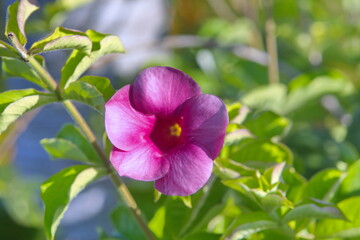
<point x="143" y="163"/>
<point x="204" y="122"/>
<point x="190" y="169"/>
<point x="125" y="126"/>
<point x="160" y="90"/>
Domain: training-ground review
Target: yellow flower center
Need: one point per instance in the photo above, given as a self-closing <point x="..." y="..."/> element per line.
<point x="175" y="130"/>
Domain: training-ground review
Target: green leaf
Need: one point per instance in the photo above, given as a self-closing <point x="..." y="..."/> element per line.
<point x="61" y="148"/>
<point x="58" y="191"/>
<point x="334" y="228"/>
<point x="249" y="223"/>
<point x="269" y="97"/>
<point x="157" y="223"/>
<point x="261" y="153"/>
<point x="124" y="222"/>
<point x="17" y="14"/>
<point x="16" y="109"/>
<point x="102" y="84"/>
<point x="6" y="51"/>
<point x="13" y="95"/>
<point x="63" y="38"/>
<point x="267" y="124"/>
<point x="79" y="62"/>
<point x="176" y="216"/>
<point x="73" y="134"/>
<point x="350" y="186"/>
<point x="85" y="93"/>
<point x="323" y="185"/>
<point x="18" y="68"/>
<point x="312" y="211"/>
<point x="318" y="87"/>
<point x="203" y="236"/>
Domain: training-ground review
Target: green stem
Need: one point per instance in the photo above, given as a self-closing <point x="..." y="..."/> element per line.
<point x="73" y="111"/>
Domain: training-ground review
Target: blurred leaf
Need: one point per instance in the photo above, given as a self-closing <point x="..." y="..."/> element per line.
<point x="334" y="228"/>
<point x="312" y="211"/>
<point x="13" y="95"/>
<point x="64" y="149"/>
<point x="316" y="88"/>
<point x="350" y="186"/>
<point x="236" y="136"/>
<point x="294" y="184"/>
<point x="58" y="191"/>
<point x="63" y="38"/>
<point x="261" y="153"/>
<point x="85" y="93"/>
<point x="16" y="109"/>
<point x="249" y="223"/>
<point x="17" y="14"/>
<point x="102" y="84"/>
<point x="323" y="185"/>
<point x="269" y="97"/>
<point x="18" y="68"/>
<point x="176" y="216"/>
<point x="266" y="124"/>
<point x="203" y="236"/>
<point x="157" y="223"/>
<point x="124" y="222"/>
<point x="79" y="62"/>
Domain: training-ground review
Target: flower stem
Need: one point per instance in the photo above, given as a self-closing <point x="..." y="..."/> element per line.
<point x="73" y="111"/>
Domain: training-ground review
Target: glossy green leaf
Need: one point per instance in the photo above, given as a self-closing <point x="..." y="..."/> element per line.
<point x="261" y="153"/>
<point x="13" y="95"/>
<point x="79" y="62"/>
<point x="16" y="109"/>
<point x="64" y="149"/>
<point x="18" y="68"/>
<point x="312" y="211"/>
<point x="85" y="93"/>
<point x="334" y="228"/>
<point x="58" y="191"/>
<point x="102" y="84"/>
<point x="323" y="185"/>
<point x="63" y="38"/>
<point x="266" y="124"/>
<point x="17" y="14"/>
<point x="74" y="135"/>
<point x="125" y="224"/>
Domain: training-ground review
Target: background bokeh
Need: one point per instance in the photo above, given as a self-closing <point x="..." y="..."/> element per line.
<point x="222" y="45"/>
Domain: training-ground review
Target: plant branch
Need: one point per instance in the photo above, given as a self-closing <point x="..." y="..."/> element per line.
<point x="270" y="28"/>
<point x="73" y="111"/>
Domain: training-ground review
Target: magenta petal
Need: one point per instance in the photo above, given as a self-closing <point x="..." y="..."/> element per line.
<point x="204" y="122"/>
<point x="160" y="90"/>
<point x="190" y="169"/>
<point x="125" y="126"/>
<point x="143" y="163"/>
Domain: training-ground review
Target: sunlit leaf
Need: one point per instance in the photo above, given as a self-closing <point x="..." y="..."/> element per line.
<point x="334" y="228"/>
<point x="58" y="191"/>
<point x="16" y="109"/>
<point x="79" y="62"/>
<point x="63" y="149"/>
<point x="17" y="14"/>
<point x="350" y="186"/>
<point x="157" y="223"/>
<point x="13" y="95"/>
<point x="7" y="51"/>
<point x="18" y="68"/>
<point x="63" y="38"/>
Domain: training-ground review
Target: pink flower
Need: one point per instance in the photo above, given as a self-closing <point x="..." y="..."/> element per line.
<point x="164" y="130"/>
